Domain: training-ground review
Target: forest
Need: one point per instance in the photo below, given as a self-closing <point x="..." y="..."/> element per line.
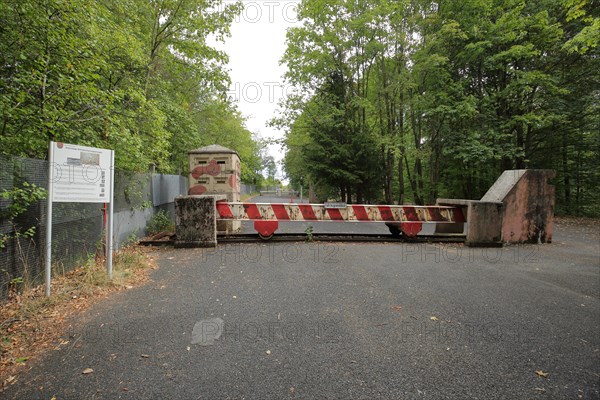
<point x="138" y="76"/>
<point x="393" y="101"/>
<point x="405" y="101"/>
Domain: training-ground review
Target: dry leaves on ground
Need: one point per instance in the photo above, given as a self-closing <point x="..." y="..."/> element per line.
<point x="31" y="323"/>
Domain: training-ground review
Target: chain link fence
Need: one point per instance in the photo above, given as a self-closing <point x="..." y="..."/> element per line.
<point x="248" y="189"/>
<point x="77" y="228"/>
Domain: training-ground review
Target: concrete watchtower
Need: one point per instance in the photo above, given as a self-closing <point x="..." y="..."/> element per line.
<point x="215" y="169"/>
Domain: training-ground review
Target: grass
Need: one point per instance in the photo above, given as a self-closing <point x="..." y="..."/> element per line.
<point x="31" y="323"/>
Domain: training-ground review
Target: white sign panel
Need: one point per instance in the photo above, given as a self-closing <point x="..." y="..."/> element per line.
<point x="335" y="205"/>
<point x="80" y="174"/>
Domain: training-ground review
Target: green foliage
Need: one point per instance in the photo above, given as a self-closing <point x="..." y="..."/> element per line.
<point x="17" y="281"/>
<point x="136" y="76"/>
<point x="588" y="37"/>
<point x="19" y="200"/>
<point x="132" y="239"/>
<point x="409" y="101"/>
<point x="159" y="222"/>
<point x="309" y="233"/>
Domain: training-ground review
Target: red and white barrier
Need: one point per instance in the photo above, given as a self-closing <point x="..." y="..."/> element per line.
<point x="267" y="215"/>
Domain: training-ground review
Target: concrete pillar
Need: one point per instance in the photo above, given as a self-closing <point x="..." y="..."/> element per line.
<point x="195" y="221"/>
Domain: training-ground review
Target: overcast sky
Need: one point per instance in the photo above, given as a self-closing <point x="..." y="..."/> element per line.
<point x="255" y="47"/>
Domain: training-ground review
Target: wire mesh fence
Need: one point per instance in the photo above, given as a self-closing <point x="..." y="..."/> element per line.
<point x="248" y="189"/>
<point x="77" y="228"/>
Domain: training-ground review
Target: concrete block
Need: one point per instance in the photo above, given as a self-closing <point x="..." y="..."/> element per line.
<point x="484" y="224"/>
<point x="195" y="221"/>
<point x="484" y="221"/>
<point x="528" y="205"/>
<point x="518" y="208"/>
<point x="503" y="185"/>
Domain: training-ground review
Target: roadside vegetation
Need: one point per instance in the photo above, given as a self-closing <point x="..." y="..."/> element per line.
<point x="407" y="101"/>
<point x="31" y="323"/>
<point x="160" y="222"/>
<point x="136" y="76"/>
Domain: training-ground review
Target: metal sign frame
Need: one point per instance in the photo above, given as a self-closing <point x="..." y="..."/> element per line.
<point x="99" y="189"/>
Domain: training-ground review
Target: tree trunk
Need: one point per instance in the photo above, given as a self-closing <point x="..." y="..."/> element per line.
<point x="359" y="194"/>
<point x="400" y="182"/>
<point x="519" y="159"/>
<point x="565" y="168"/>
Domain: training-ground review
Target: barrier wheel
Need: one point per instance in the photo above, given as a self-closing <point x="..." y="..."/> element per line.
<point x="267" y="237"/>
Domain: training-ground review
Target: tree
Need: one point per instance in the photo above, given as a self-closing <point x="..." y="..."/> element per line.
<point x="135" y="76"/>
<point x="441" y="97"/>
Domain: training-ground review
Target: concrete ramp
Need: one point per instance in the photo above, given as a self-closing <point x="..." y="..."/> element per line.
<point x="528" y="202"/>
<point x="503" y="185"/>
<point x="518" y="208"/>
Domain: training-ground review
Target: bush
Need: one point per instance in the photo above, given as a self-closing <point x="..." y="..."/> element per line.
<point x="159" y="222"/>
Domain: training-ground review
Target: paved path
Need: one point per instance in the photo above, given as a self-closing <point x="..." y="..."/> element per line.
<point x="342" y="321"/>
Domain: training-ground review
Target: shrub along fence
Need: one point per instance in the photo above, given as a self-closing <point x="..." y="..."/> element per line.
<point x="77" y="228"/>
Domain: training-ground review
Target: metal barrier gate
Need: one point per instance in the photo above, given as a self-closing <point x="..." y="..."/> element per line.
<point x="403" y="219"/>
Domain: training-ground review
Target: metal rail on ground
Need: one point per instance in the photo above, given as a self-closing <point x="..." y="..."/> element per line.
<point x="323" y="237"/>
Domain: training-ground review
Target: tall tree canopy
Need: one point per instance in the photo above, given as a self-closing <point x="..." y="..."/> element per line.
<point x="412" y="100"/>
<point x="134" y="75"/>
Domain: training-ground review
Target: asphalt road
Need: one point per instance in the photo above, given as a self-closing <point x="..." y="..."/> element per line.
<point x="342" y="321"/>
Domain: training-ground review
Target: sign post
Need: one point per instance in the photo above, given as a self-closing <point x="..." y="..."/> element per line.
<point x="79" y="174"/>
<point x="109" y="225"/>
<point x="49" y="219"/>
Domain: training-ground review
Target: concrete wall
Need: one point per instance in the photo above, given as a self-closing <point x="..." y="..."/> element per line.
<point x="518" y="208"/>
<point x="528" y="205"/>
<point x="166" y="187"/>
<point x="131" y="223"/>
